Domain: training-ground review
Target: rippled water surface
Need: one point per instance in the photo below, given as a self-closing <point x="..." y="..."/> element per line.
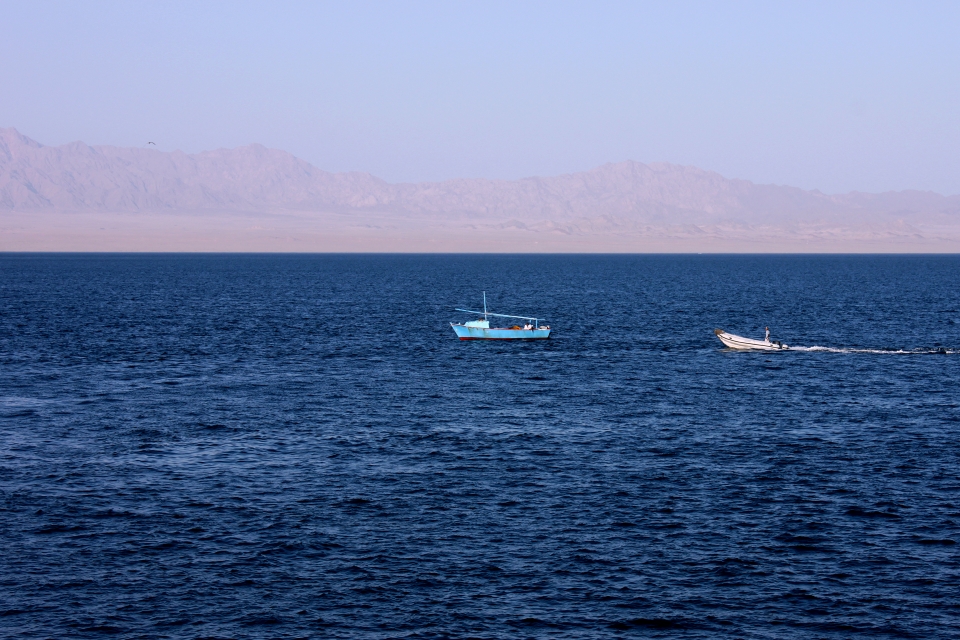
<point x="299" y="446"/>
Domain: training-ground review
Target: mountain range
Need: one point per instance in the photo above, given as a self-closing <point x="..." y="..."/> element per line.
<point x="83" y="197"/>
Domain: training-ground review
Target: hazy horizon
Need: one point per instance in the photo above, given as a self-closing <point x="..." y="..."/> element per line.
<point x="455" y="178"/>
<point x="254" y="144"/>
<point x="860" y="97"/>
<point x="77" y="196"/>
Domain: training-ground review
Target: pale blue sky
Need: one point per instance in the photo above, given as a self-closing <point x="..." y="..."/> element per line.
<point x="835" y="96"/>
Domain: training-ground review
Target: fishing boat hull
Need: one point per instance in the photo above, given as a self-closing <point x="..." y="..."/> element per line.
<point x="481" y="333"/>
<point x="748" y="344"/>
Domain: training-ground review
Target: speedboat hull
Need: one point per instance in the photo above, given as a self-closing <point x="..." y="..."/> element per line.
<point x="748" y="344"/>
<point x="481" y="333"/>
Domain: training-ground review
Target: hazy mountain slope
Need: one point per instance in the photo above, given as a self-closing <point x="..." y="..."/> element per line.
<point x="656" y="193"/>
<point x="78" y="176"/>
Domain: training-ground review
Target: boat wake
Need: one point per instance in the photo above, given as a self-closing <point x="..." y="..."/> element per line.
<point x="920" y="351"/>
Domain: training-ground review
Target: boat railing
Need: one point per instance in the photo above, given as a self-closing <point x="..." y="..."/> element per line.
<point x="536" y="321"/>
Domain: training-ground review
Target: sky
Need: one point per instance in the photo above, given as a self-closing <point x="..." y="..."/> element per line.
<point x="836" y="96"/>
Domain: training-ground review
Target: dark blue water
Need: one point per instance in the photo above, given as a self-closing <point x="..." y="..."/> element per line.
<point x="298" y="446"/>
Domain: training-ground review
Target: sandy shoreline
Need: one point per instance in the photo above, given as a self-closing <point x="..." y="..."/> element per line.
<point x="335" y="232"/>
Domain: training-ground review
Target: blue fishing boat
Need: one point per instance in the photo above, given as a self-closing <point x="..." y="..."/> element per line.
<point x="480" y="328"/>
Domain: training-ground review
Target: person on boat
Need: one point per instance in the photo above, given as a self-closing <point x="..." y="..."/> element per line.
<point x="767" y="338"/>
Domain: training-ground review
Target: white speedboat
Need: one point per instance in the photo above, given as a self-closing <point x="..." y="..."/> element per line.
<point x="748" y="344"/>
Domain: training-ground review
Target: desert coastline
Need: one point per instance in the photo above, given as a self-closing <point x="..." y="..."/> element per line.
<point x="78" y="197"/>
<point x="213" y="231"/>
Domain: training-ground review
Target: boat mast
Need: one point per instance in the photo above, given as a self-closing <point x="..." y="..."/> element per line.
<point x="484" y="305"/>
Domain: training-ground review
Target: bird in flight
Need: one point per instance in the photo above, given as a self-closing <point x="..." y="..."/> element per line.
<point x="153" y="143"/>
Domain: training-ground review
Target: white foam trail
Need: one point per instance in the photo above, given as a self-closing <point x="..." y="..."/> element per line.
<point x="912" y="352"/>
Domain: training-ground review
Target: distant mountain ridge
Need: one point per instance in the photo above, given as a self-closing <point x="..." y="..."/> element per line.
<point x="76" y="176"/>
<point x="253" y="178"/>
<point x="625" y="198"/>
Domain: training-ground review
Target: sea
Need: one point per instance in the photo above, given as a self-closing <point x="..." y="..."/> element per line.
<point x="298" y="446"/>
